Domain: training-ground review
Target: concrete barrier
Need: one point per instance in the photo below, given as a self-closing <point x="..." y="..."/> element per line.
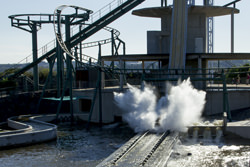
<point x="26" y="133"/>
<point x="240" y="128"/>
<point x="20" y="127"/>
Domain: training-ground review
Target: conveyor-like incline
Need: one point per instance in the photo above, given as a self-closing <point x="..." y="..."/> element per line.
<point x="146" y="149"/>
<point x="97" y="25"/>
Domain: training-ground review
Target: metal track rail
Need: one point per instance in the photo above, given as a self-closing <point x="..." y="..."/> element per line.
<point x="133" y="144"/>
<point x="145" y="149"/>
<point x="163" y="136"/>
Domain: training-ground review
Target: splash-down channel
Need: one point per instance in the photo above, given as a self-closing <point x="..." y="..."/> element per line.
<point x="145" y="149"/>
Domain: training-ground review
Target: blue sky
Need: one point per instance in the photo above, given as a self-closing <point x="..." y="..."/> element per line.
<point x="15" y="44"/>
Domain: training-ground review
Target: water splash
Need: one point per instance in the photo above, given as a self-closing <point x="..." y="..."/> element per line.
<point x="178" y="109"/>
<point x="138" y="107"/>
<point x="207" y="135"/>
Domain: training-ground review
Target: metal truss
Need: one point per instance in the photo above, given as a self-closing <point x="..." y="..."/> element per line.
<point x="210" y="30"/>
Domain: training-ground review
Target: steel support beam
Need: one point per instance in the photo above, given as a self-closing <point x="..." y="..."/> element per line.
<point x="232" y="32"/>
<point x="100" y="85"/>
<point x="69" y="68"/>
<point x="164" y="3"/>
<point x="35" y="55"/>
<point x="60" y="66"/>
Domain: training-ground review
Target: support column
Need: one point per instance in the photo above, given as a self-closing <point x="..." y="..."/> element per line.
<point x="121" y="63"/>
<point x="60" y="65"/>
<point x="232" y="31"/>
<point x="112" y="49"/>
<point x="60" y="70"/>
<point x="69" y="67"/>
<point x="80" y="45"/>
<point x="164" y="3"/>
<point x="51" y="64"/>
<point x="35" y="55"/>
<point x="101" y="64"/>
<point x="200" y="72"/>
<point x="76" y="57"/>
<point x="199" y="63"/>
<point x="100" y="79"/>
<point x="122" y="67"/>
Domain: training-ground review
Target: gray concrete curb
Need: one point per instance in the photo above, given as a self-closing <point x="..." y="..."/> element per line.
<point x="27" y="134"/>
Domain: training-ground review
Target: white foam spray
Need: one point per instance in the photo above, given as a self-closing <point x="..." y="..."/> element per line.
<point x="179" y="108"/>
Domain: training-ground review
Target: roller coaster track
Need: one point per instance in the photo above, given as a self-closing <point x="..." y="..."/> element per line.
<point x="98" y="21"/>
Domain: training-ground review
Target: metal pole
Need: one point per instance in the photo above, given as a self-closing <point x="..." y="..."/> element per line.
<point x="164" y="3"/>
<point x="35" y="55"/>
<point x="200" y="71"/>
<point x="51" y="65"/>
<point x="76" y="57"/>
<point x="232" y="31"/>
<point x="60" y="70"/>
<point x="112" y="50"/>
<point x="69" y="67"/>
<point x="122" y="66"/>
<point x="80" y="47"/>
<point x="100" y="86"/>
<point x="121" y="74"/>
<point x="226" y="107"/>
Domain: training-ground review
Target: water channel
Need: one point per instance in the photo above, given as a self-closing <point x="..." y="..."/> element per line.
<point x="75" y="146"/>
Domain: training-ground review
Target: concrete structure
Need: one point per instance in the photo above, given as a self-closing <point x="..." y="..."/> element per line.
<point x="159" y="42"/>
<point x="178" y="42"/>
<point x="238" y="99"/>
<point x="83" y="104"/>
<point x="30" y="131"/>
<point x="159" y="47"/>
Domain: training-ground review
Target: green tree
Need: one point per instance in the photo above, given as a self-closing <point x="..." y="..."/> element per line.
<point x="241" y="70"/>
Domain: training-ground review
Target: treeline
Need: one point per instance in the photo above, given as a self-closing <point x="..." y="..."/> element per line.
<point x="240" y="71"/>
<point x="5" y="82"/>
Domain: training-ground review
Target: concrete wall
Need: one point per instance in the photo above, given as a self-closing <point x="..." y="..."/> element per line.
<point x="214" y="103"/>
<point x="196" y="29"/>
<point x="109" y="108"/>
<point x="159" y="41"/>
<point x="237" y="100"/>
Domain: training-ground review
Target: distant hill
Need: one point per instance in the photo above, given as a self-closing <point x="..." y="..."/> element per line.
<point x="228" y="63"/>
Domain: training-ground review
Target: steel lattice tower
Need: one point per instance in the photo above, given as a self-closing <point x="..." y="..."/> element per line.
<point x="210" y="30"/>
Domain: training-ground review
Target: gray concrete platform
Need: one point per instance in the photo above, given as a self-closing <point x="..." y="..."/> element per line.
<point x="240" y="128"/>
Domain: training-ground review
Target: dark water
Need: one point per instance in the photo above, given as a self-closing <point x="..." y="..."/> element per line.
<point x="75" y="146"/>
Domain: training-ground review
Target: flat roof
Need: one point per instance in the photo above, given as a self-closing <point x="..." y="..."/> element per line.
<point x="189" y="56"/>
<point x="209" y="11"/>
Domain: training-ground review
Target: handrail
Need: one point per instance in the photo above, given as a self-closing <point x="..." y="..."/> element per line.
<point x="232" y="3"/>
